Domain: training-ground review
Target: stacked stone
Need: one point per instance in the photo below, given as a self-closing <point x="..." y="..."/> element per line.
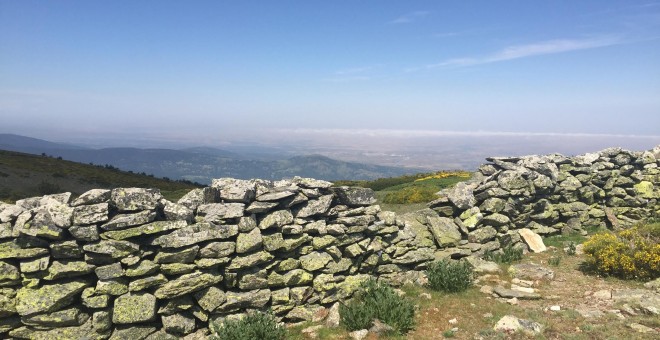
<point x="554" y="194"/>
<point x="127" y="263"/>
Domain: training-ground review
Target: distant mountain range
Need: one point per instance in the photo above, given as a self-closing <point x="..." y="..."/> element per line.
<point x="201" y="164"/>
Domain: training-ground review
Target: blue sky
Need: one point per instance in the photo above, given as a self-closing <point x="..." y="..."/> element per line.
<point x="239" y="68"/>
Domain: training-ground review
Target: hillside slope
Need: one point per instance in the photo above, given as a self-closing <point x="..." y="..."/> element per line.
<point x="203" y="164"/>
<point x="24" y="175"/>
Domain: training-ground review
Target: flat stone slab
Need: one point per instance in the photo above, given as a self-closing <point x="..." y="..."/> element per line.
<point x="513" y="293"/>
<point x="529" y="271"/>
<point x="134" y="308"/>
<point x="533" y="240"/>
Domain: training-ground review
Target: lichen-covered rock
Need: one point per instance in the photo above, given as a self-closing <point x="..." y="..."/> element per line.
<point x="133" y="199"/>
<point x="245" y="300"/>
<point x="415" y="256"/>
<point x="512" y="180"/>
<point x="66" y="250"/>
<point x="8" y="273"/>
<point x="217" y="212"/>
<point x="146" y="229"/>
<point x="353" y="196"/>
<point x="112" y="248"/>
<point x="62" y="269"/>
<point x="444" y="231"/>
<point x="114" y="287"/>
<point x="11" y="250"/>
<point x="315" y="261"/>
<point x="178" y="324"/>
<point x="217" y="250"/>
<point x="85" y="233"/>
<point x="90" y="214"/>
<point x="251" y="260"/>
<point x="195" y="233"/>
<point x="132" y="332"/>
<point x="210" y="298"/>
<point x="93" y="196"/>
<point x="495" y="220"/>
<point x="144" y="267"/>
<point x="528" y="271"/>
<point x="176" y="212"/>
<point x="122" y="221"/>
<point x="311" y="183"/>
<point x="183" y="255"/>
<point x="461" y="195"/>
<point x="196" y="197"/>
<point x="234" y="190"/>
<point x="110" y="271"/>
<point x="247" y="242"/>
<point x="134" y="308"/>
<point x="187" y="283"/>
<point x="512" y="324"/>
<point x="295" y="277"/>
<point x="315" y="207"/>
<point x="47" y="298"/>
<point x="63" y="318"/>
<point x="146" y="282"/>
<point x="276" y="219"/>
<point x="482" y="235"/>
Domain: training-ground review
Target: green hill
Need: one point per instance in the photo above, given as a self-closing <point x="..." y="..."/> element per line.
<point x="24" y="175"/>
<point x="410" y="192"/>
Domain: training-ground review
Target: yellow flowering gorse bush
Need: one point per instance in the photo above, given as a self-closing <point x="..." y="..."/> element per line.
<point x="630" y="254"/>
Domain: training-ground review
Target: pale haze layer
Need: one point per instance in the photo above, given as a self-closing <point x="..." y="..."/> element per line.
<point x="211" y="72"/>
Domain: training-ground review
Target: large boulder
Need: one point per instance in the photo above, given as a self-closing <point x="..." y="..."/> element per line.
<point x="234" y="190"/>
<point x="133" y="199"/>
<point x="354" y="196"/>
<point x="461" y="195"/>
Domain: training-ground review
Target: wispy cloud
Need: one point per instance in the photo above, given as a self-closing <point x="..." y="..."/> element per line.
<point x="531" y="50"/>
<point x="410" y="17"/>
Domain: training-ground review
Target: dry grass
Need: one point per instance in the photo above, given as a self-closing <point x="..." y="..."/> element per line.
<point x="477" y="313"/>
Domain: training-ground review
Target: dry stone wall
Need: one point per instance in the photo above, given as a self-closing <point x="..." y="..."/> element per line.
<point x="127" y="263"/>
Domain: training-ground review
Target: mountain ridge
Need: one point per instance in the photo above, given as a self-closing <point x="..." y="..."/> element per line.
<point x="201" y="164"/>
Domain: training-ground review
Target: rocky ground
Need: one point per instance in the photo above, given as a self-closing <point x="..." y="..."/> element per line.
<point x="529" y="299"/>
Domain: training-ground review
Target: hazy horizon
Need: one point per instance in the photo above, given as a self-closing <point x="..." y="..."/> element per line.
<point x="344" y="78"/>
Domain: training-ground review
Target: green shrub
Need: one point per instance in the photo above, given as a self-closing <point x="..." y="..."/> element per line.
<point x="508" y="254"/>
<point x="375" y="300"/>
<point x="554" y="261"/>
<point x="571" y="248"/>
<point x="450" y="276"/>
<point x="629" y="254"/>
<point x="255" y="325"/>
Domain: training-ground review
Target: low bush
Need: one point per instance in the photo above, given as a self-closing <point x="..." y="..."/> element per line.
<point x="629" y="254"/>
<point x="571" y="248"/>
<point x="411" y="195"/>
<point x="256" y="325"/>
<point x="509" y="254"/>
<point x="450" y="276"/>
<point x="375" y="300"/>
<point x="554" y="261"/>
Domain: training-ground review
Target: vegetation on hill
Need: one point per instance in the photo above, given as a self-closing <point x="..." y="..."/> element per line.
<point x="24" y="175"/>
<point x="410" y="192"/>
<point x="629" y="254"/>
